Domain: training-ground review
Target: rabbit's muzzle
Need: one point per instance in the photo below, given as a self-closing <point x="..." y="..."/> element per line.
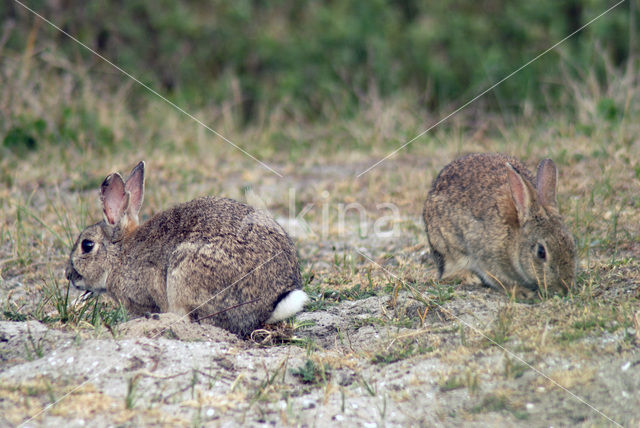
<point x="80" y="283"/>
<point x="75" y="278"/>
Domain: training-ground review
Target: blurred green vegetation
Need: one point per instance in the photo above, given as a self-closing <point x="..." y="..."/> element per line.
<point x="307" y="55"/>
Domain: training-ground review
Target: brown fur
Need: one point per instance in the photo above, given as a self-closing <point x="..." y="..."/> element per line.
<point x="203" y="257"/>
<point x="483" y="214"/>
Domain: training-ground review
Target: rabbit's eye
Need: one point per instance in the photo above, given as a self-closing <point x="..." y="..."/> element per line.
<point x="542" y="253"/>
<point x="87" y="246"/>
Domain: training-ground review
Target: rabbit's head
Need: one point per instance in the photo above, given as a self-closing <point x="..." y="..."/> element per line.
<point x="97" y="248"/>
<point x="546" y="251"/>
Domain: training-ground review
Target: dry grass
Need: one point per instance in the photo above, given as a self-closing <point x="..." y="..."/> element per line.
<point x="29" y="398"/>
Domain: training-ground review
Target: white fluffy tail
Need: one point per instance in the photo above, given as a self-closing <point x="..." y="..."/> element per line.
<point x="289" y="306"/>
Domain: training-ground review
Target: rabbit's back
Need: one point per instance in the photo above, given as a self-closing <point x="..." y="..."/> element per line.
<point x="223" y="261"/>
<point x="477" y="183"/>
<point x="205" y="220"/>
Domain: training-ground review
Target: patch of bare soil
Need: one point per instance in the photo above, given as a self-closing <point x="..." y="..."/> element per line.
<point x="353" y="371"/>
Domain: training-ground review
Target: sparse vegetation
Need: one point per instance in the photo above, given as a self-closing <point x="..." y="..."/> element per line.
<point x="501" y="331"/>
<point x="34" y="347"/>
<point x="322" y="296"/>
<point x="497" y="403"/>
<point x="399" y="351"/>
<point x="513" y="368"/>
<point x="58" y="305"/>
<point x="131" y="397"/>
<point x="312" y="372"/>
<point x="468" y="379"/>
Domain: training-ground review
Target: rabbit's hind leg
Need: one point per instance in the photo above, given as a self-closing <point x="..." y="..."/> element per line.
<point x="450" y="263"/>
<point x="447" y="251"/>
<point x="175" y="293"/>
<point x="184" y="279"/>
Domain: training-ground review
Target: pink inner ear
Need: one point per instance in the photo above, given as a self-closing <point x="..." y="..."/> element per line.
<point x="113" y="198"/>
<point x="135" y="186"/>
<point x="519" y="193"/>
<point x="110" y="211"/>
<point x="546" y="183"/>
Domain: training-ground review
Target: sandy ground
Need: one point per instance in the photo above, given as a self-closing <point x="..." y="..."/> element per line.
<point x="408" y="357"/>
<point x="176" y="372"/>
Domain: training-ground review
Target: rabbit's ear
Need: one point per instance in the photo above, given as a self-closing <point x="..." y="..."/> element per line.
<point x="114" y="198"/>
<point x="546" y="181"/>
<point x="135" y="186"/>
<point x="521" y="193"/>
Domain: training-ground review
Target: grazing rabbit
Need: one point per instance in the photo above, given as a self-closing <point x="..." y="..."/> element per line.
<point x="487" y="214"/>
<point x="212" y="259"/>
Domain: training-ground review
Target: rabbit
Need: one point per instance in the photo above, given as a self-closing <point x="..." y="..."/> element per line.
<point x="213" y="259"/>
<point x="485" y="214"/>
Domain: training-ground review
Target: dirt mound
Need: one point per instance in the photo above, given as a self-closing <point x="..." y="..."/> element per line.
<point x="172" y="326"/>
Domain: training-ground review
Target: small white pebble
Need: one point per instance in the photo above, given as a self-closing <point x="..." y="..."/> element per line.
<point x="69" y="360"/>
<point x="354" y="405"/>
<point x="541" y="389"/>
<point x="625" y="366"/>
<point x="530" y="406"/>
<point x="95" y="363"/>
<point x="282" y="404"/>
<point x="210" y="412"/>
<point x="338" y="418"/>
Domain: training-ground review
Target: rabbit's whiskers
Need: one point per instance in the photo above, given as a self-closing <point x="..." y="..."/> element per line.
<point x="535" y="272"/>
<point x="495" y="278"/>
